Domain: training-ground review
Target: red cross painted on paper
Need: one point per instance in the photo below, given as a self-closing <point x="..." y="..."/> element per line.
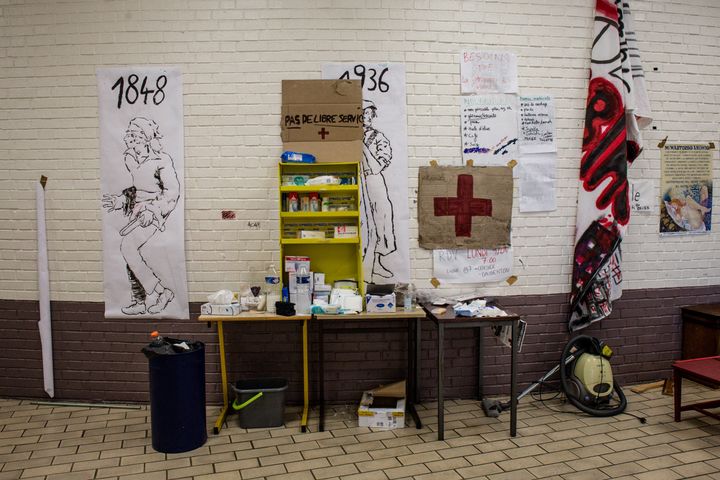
<point x="323" y="132"/>
<point x="463" y="207"/>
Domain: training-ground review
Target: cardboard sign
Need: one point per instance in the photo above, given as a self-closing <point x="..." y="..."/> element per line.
<point x="323" y="118"/>
<point x="464" y="207"/>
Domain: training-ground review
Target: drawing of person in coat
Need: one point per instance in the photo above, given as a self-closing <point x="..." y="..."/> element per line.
<point x="147" y="203"/>
<point x="378" y="223"/>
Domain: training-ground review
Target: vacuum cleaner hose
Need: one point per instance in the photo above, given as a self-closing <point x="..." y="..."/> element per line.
<point x="586" y="344"/>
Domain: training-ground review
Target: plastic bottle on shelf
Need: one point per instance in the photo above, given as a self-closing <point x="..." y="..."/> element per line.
<point x="314" y="202"/>
<point x="304" y="295"/>
<point x="293" y="202"/>
<point x="409" y="298"/>
<point x="272" y="289"/>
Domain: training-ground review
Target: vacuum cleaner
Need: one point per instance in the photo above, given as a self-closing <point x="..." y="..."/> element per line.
<point x="585" y="377"/>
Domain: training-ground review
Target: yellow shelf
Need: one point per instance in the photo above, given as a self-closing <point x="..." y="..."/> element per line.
<point x="317" y="164"/>
<point x="301" y="215"/>
<point x="337" y="258"/>
<point x="315" y="241"/>
<point x="319" y="188"/>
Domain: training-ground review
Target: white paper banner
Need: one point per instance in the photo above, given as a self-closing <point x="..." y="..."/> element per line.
<point x="384" y="207"/>
<point x="142" y="187"/>
<point x="489" y="129"/>
<point x="44" y="325"/>
<point x="487" y="72"/>
<point x="472" y="266"/>
<point x="537" y="124"/>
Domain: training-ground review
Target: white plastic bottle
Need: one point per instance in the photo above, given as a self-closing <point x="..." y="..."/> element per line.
<point x="304" y="295"/>
<point x="272" y="289"/>
<point x="409" y="298"/>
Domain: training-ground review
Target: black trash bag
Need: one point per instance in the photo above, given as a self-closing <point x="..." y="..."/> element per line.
<point x="169" y="346"/>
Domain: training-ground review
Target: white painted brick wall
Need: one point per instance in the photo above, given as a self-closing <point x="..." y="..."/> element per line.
<point x="235" y="53"/>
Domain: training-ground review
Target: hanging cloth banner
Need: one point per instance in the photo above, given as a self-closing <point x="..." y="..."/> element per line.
<point x="384" y="168"/>
<point x="617" y="108"/>
<point x="142" y="186"/>
<point x="45" y="324"/>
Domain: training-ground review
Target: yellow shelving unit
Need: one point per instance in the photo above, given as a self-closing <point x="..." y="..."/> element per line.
<point x="337" y="258"/>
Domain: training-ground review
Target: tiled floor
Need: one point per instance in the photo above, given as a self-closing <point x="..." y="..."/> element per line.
<point x="554" y="441"/>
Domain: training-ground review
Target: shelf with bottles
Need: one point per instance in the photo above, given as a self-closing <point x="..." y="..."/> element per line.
<point x="335" y="175"/>
<point x="311" y="203"/>
<point x="348" y="229"/>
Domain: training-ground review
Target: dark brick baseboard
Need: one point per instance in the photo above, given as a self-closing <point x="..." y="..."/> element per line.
<point x="98" y="359"/>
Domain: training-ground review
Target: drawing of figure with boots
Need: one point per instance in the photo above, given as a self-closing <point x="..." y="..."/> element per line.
<point x="147" y="203"/>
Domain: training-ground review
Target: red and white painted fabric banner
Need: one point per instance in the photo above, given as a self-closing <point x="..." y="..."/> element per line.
<point x="617" y="108"/>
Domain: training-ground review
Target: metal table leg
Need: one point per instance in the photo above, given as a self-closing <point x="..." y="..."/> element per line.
<point x="306" y="378"/>
<point x="513" y="372"/>
<point x="321" y="388"/>
<point x="223" y="375"/>
<point x="412" y="369"/>
<point x="480" y="345"/>
<point x="441" y="368"/>
<point x="418" y="350"/>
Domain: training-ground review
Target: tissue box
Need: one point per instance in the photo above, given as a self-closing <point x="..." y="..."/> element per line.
<point x="380" y="303"/>
<point x="346" y="231"/>
<point x="295" y="263"/>
<point x="210" y="309"/>
<point x="310" y="234"/>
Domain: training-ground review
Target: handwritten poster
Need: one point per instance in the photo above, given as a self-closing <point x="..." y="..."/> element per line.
<point x="472" y="266"/>
<point x="488" y="72"/>
<point x="537" y="182"/>
<point x="384" y="196"/>
<point x="537" y="124"/>
<point x="141" y="182"/>
<point x="489" y="129"/>
<point x="642" y="198"/>
<point x="685" y="189"/>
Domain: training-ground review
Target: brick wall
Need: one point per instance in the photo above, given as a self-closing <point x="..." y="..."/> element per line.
<point x="233" y="56"/>
<point x="100" y="360"/>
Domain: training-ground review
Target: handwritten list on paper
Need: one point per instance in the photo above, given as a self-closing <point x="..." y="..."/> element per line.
<point x="537" y="124"/>
<point x="472" y="265"/>
<point x="489" y="129"/>
<point x="488" y="72"/>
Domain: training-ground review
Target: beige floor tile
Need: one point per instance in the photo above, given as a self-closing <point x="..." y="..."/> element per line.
<point x="619" y="470"/>
<point x="376" y="475"/>
<point x="335" y="471"/>
<point x="381" y="464"/>
<point x="405" y="471"/>
<point x="694" y="469"/>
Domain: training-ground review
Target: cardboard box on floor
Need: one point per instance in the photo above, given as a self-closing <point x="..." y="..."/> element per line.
<point x="391" y="414"/>
<point x="323" y="118"/>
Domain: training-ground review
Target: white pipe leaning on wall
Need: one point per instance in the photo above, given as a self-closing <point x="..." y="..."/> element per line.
<point x="44" y="324"/>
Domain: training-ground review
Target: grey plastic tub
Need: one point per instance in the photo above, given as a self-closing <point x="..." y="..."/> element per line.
<point x="260" y="402"/>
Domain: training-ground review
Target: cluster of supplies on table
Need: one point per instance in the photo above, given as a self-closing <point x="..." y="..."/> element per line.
<point x="306" y="292"/>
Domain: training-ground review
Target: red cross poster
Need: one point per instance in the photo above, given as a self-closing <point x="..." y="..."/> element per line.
<point x="464" y="207"/>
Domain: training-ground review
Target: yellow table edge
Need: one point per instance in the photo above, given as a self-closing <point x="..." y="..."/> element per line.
<point x="256" y="317"/>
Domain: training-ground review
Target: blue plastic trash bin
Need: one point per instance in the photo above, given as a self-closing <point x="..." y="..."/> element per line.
<point x="177" y="400"/>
